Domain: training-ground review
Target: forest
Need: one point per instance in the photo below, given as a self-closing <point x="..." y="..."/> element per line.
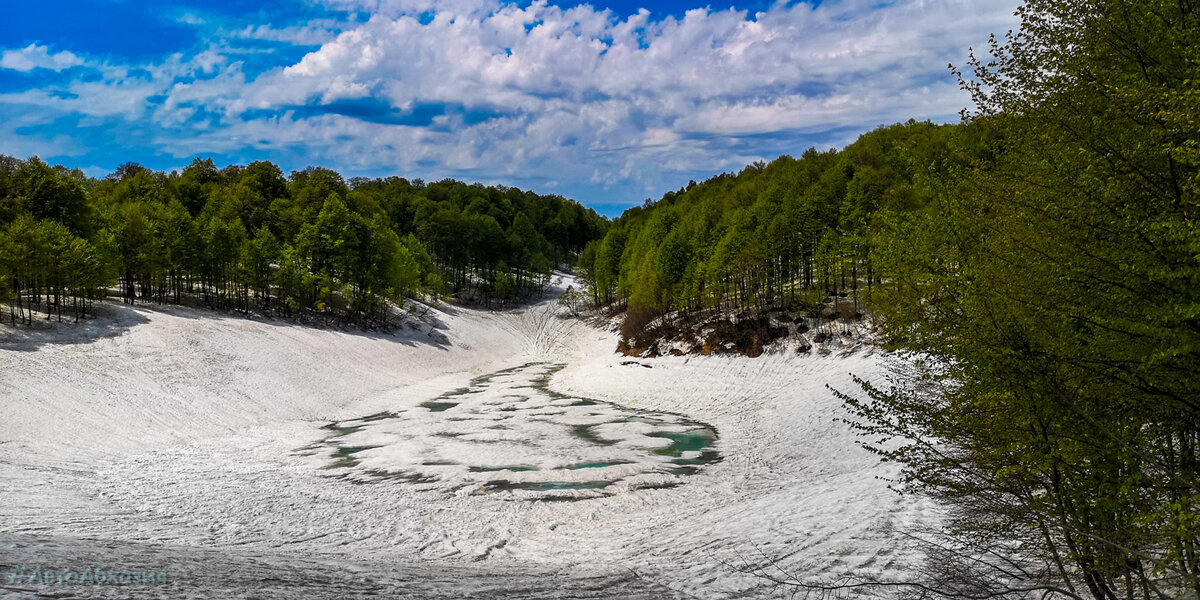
<point x="1038" y="265"/>
<point x="248" y="238"/>
<point x="790" y="235"/>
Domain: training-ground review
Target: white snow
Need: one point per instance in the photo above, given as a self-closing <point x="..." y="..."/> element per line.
<point x="187" y="429"/>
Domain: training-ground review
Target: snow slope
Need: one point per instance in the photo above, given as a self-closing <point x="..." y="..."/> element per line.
<point x="175" y="438"/>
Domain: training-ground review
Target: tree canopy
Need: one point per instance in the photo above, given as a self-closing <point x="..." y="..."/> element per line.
<point x="250" y="238"/>
<point x="1050" y="284"/>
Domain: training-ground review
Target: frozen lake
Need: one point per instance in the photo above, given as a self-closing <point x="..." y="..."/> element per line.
<point x="507" y="433"/>
<point x="477" y="455"/>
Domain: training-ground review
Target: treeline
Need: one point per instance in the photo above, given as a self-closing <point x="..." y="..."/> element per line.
<point x="785" y="235"/>
<point x="248" y="238"/>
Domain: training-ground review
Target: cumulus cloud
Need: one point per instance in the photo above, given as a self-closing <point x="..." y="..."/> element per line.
<point x="601" y="82"/>
<point x="485" y="89"/>
<point x="34" y="56"/>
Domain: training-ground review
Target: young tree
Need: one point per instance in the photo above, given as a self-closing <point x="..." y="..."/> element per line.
<point x="572" y="299"/>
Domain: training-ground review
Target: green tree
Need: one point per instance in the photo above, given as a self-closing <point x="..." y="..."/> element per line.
<point x="46" y="194"/>
<point x="262" y="252"/>
<point x="1053" y="290"/>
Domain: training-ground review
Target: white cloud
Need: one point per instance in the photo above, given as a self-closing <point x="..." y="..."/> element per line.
<point x="190" y="19"/>
<point x="391" y="8"/>
<point x="607" y="83"/>
<point x="34" y="56"/>
<point x="489" y="90"/>
<point x="310" y="34"/>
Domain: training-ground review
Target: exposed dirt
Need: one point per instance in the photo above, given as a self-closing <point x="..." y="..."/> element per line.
<point x="646" y="334"/>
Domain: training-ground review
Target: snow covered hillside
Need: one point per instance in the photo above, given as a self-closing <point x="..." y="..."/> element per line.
<point x="473" y="454"/>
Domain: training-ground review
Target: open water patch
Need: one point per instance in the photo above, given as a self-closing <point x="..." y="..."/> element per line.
<point x="508" y="433"/>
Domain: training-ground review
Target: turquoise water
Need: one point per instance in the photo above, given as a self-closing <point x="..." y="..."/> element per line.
<point x="597" y="465"/>
<point x="344" y="456"/>
<point x="546" y="486"/>
<point x="584" y="432"/>
<point x="688" y="441"/>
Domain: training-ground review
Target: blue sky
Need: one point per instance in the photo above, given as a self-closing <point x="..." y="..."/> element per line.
<point x="606" y="102"/>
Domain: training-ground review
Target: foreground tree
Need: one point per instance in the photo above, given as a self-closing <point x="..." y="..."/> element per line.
<point x="1051" y="287"/>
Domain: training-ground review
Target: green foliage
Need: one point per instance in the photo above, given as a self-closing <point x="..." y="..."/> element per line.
<point x="47" y="194"/>
<point x="572" y="299"/>
<point x="46" y="267"/>
<point x="764" y="237"/>
<point x="1049" y="274"/>
<point x="246" y="238"/>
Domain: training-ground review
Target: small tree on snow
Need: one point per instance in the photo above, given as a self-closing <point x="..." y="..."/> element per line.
<point x="572" y="299"/>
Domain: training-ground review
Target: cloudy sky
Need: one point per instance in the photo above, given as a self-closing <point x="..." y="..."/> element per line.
<point x="610" y="102"/>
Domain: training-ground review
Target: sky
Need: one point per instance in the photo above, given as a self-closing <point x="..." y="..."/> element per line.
<point x="609" y="102"/>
